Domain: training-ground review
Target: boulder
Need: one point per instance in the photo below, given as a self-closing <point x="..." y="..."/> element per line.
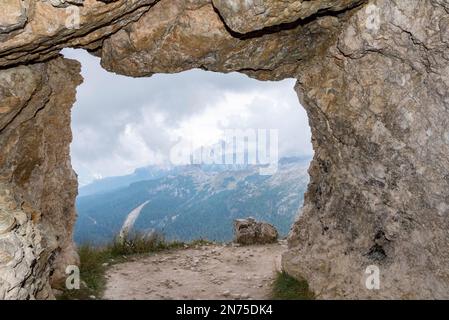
<point x="249" y="231"/>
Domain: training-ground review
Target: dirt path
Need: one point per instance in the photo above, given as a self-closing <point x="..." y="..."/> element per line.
<point x="206" y="272"/>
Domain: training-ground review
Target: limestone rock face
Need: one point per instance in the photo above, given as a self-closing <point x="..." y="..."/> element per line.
<point x="372" y="75"/>
<point x="249" y="231"/>
<point x="64" y="3"/>
<point x="37" y="184"/>
<point x="178" y="35"/>
<point x="42" y="28"/>
<point x="244" y="16"/>
<point x="378" y="107"/>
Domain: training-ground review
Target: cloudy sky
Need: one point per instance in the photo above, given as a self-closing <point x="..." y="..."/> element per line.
<point x="121" y="123"/>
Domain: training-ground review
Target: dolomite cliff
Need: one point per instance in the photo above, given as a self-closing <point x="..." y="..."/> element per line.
<point x="372" y="76"/>
<point x="37" y="184"/>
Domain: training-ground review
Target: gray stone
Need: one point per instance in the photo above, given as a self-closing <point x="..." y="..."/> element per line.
<point x="249" y="232"/>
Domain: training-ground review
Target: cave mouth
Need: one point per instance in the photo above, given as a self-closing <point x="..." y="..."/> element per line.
<point x="211" y="139"/>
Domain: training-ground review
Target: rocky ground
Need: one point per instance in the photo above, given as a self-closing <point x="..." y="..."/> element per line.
<point x="204" y="272"/>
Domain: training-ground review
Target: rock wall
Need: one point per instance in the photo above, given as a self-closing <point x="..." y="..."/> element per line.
<point x="37" y="184"/>
<point x="36" y="30"/>
<point x="372" y="76"/>
<point x="378" y="108"/>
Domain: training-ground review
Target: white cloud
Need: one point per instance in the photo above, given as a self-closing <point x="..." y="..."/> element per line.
<point x="122" y="123"/>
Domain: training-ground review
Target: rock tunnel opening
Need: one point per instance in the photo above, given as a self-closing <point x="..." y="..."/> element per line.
<point x="371" y="75"/>
<point x="186" y="154"/>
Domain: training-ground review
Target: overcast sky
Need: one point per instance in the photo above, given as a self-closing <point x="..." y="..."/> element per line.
<point x="120" y="123"/>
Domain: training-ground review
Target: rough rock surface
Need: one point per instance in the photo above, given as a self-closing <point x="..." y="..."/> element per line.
<point x="249" y="232"/>
<point x="14" y="15"/>
<point x="42" y="28"/>
<point x="378" y="108"/>
<point x="37" y="184"/>
<point x="372" y="75"/>
<point x="179" y="35"/>
<point x="245" y="16"/>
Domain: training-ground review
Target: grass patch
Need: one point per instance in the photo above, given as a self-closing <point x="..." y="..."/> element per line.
<point x="92" y="270"/>
<point x="285" y="287"/>
<point x="95" y="260"/>
<point x="137" y="244"/>
<point x="200" y="243"/>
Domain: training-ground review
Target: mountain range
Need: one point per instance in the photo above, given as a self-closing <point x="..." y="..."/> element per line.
<point x="190" y="202"/>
